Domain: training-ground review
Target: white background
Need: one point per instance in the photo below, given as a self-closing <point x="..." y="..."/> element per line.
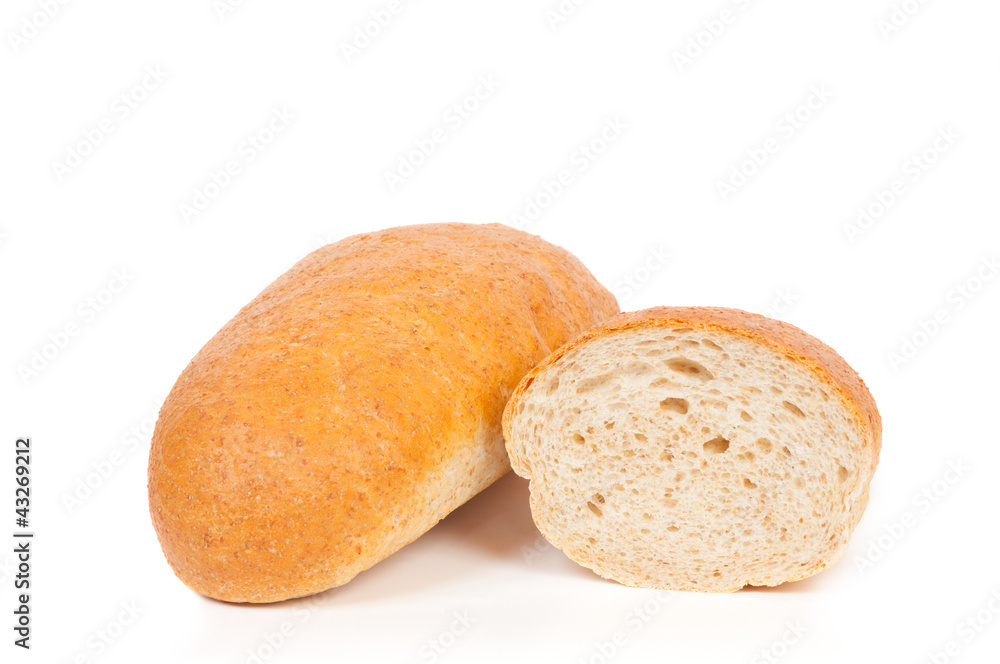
<point x="781" y="237"/>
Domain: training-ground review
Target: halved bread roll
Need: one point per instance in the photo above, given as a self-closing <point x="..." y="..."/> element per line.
<point x="695" y="449"/>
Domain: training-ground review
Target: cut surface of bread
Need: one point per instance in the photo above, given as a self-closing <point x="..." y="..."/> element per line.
<point x="696" y="449"/>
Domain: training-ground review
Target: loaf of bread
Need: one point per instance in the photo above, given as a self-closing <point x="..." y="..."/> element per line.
<point x="354" y="403"/>
<point x="695" y="449"/>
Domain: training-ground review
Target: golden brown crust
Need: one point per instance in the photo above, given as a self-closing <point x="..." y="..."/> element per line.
<point x="825" y="362"/>
<point x="354" y="403"/>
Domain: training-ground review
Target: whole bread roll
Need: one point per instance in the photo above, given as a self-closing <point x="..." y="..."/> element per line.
<point x="354" y="403"/>
<point x="695" y="449"/>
